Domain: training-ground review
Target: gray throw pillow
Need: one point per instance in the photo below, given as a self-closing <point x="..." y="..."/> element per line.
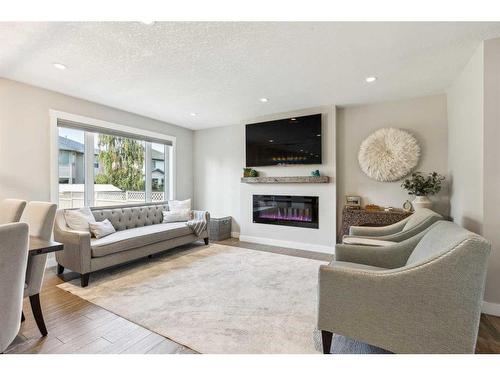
<point x="102" y="229"/>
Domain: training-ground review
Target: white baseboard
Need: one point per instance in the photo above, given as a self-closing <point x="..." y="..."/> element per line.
<point x="289" y="244"/>
<point x="491" y="308"/>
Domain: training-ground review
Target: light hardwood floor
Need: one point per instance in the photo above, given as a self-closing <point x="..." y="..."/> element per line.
<point x="78" y="326"/>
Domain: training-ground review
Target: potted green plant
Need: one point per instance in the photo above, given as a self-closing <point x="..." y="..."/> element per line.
<point x="422" y="187"/>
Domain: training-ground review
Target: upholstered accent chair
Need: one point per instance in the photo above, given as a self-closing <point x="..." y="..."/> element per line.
<point x="400" y="231"/>
<point x="11" y="210"/>
<point x="13" y="256"/>
<point x="422" y="295"/>
<point x="40" y="217"/>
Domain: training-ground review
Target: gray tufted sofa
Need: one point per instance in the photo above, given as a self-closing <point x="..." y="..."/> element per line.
<point x="139" y="233"/>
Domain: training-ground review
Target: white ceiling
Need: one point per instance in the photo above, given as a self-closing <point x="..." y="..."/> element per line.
<point x="220" y="70"/>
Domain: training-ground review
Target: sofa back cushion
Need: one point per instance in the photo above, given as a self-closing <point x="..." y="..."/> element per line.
<point x="129" y="217"/>
<point x="441" y="238"/>
<point x="421" y="215"/>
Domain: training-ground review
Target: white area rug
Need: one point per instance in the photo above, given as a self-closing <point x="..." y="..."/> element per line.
<point x="215" y="299"/>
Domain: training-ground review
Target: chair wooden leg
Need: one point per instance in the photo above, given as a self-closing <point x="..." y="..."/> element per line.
<point x="37" y="313"/>
<point x="60" y="269"/>
<point x="206" y="240"/>
<point x="22" y="317"/>
<point x="84" y="279"/>
<point x="326" y="338"/>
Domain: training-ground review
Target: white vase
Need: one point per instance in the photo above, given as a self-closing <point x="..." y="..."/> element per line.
<point x="421" y="201"/>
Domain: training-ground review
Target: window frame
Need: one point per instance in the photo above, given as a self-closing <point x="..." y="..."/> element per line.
<point x="102" y="126"/>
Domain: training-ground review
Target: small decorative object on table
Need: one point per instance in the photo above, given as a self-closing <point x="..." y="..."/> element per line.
<point x="407" y="206"/>
<point x="421" y="187"/>
<point x="315" y="173"/>
<point x="249" y="172"/>
<point x="372" y="207"/>
<point x="352" y="202"/>
<point x="220" y="228"/>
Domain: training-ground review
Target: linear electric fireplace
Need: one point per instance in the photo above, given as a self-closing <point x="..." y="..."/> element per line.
<point x="291" y="210"/>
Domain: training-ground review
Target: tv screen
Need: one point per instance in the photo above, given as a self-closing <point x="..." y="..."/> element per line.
<point x="295" y="140"/>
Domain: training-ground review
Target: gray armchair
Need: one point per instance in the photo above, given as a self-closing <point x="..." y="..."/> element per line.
<point x="400" y="231"/>
<point x="40" y="217"/>
<point x="422" y="295"/>
<point x="11" y="210"/>
<point x="13" y="255"/>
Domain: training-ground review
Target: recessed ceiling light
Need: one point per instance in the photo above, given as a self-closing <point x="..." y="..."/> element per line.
<point x="193" y="114"/>
<point x="370" y="79"/>
<point x="318" y="135"/>
<point x="271" y="140"/>
<point x="59" y="66"/>
<point x="264" y="100"/>
<point x="293" y="119"/>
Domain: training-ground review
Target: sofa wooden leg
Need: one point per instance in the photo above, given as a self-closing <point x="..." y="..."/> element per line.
<point x="326" y="338"/>
<point x="37" y="313"/>
<point x="206" y="240"/>
<point x="84" y="279"/>
<point x="60" y="269"/>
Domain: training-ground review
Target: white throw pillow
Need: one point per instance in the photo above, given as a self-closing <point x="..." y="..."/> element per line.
<point x="179" y="205"/>
<point x="177" y="215"/>
<point x="102" y="229"/>
<point x="79" y="219"/>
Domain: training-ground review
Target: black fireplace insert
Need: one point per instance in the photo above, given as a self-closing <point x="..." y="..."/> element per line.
<point x="291" y="210"/>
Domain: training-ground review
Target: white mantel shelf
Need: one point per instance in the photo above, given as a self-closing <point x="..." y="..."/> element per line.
<point x="286" y="180"/>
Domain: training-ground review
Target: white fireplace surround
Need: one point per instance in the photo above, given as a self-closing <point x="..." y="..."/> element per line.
<point x="322" y="239"/>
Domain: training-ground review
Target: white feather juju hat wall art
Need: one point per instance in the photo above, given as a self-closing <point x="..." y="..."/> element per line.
<point x="389" y="154"/>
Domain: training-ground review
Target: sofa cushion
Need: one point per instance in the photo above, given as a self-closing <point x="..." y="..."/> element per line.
<point x="442" y="237"/>
<point x="124" y="218"/>
<point x="420" y="216"/>
<point x="137" y="237"/>
<point x="358" y="266"/>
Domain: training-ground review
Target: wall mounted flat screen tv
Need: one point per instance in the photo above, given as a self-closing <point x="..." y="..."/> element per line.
<point x="295" y="140"/>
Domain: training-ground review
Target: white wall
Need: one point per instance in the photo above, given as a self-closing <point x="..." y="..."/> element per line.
<point x="424" y="117"/>
<point x="219" y="159"/>
<point x="218" y="163"/>
<point x="474" y="156"/>
<point x="24" y="138"/>
<point x="491" y="165"/>
<point x="465" y="144"/>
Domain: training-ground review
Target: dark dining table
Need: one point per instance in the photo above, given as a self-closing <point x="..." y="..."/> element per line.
<point x="38" y="246"/>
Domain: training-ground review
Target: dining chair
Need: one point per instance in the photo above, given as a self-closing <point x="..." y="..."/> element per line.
<point x="13" y="257"/>
<point x="11" y="210"/>
<point x="40" y="217"/>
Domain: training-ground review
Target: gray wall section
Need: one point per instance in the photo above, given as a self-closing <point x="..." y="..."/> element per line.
<point x="491" y="164"/>
<point x="465" y="144"/>
<point x="25" y="145"/>
<point x="425" y="118"/>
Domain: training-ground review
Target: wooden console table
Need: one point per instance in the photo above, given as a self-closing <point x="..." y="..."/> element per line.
<point x="373" y="218"/>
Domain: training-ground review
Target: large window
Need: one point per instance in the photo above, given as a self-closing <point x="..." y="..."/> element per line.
<point x="100" y="168"/>
<point x="71" y="168"/>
